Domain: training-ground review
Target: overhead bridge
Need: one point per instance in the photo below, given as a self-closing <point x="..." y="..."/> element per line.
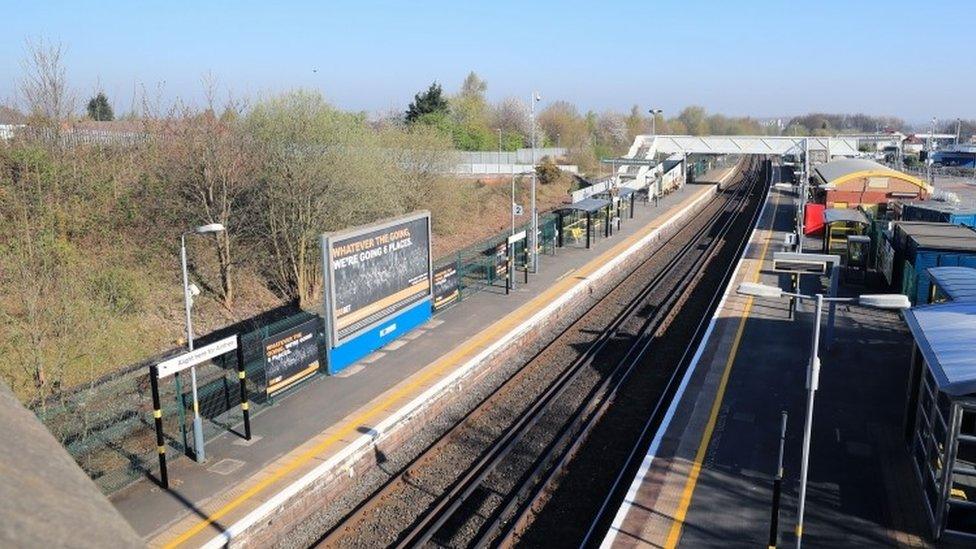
<point x="676" y="147"/>
<point x="746" y="144"/>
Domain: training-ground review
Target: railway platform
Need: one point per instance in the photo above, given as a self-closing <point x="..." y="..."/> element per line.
<point x="313" y="431"/>
<point x="707" y="478"/>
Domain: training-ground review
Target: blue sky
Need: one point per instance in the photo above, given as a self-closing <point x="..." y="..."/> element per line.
<point x="763" y="58"/>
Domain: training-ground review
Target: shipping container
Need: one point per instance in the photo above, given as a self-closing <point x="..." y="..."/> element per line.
<point x="938" y="212"/>
<point x="916" y="246"/>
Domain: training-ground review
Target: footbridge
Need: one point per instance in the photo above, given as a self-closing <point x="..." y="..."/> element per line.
<point x="648" y="147"/>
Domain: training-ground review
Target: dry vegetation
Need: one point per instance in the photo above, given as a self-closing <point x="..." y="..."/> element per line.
<point x="89" y="233"/>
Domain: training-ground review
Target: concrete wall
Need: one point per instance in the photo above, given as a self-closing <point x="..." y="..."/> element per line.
<point x="46" y="500"/>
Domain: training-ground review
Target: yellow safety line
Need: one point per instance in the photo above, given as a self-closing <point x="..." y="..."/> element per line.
<point x="446" y="361"/>
<point x="674" y="535"/>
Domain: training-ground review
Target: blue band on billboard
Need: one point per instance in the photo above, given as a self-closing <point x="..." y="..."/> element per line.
<point x="365" y="343"/>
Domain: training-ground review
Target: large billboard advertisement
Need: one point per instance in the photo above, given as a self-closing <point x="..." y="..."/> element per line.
<point x="376" y="271"/>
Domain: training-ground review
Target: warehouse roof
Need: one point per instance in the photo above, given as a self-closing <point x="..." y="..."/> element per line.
<point x="944" y="334"/>
<point x="841" y="170"/>
<point x="939" y="236"/>
<point x="958" y="283"/>
<point x="838" y="215"/>
<point x="938" y="206"/>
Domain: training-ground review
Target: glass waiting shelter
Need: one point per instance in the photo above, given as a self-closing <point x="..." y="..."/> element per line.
<point x="952" y="284"/>
<point x="584" y="220"/>
<point x="940" y="423"/>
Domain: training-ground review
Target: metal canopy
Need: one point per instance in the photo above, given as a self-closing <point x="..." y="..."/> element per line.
<point x="624" y="192"/>
<point x="944" y="334"/>
<point x="838" y="215"/>
<point x="588" y="205"/>
<point x="957" y="283"/>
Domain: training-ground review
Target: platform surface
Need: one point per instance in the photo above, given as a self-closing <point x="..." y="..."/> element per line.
<point x="314" y="423"/>
<point x="708" y="482"/>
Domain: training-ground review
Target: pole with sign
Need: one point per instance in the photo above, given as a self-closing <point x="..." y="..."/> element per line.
<point x="241" y="376"/>
<point x="510" y="252"/>
<point x="174" y="366"/>
<point x="158" y="422"/>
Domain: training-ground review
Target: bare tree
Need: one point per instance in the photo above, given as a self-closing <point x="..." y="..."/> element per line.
<point x="44" y="87"/>
<point x="511" y="115"/>
<point x="210" y="159"/>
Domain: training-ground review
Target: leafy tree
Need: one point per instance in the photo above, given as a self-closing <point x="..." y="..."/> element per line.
<point x="473" y="86"/>
<point x="426" y="103"/>
<point x="469" y="112"/>
<point x="512" y="117"/>
<point x="635" y="123"/>
<point x="694" y="120"/>
<point x="99" y="108"/>
<point x="547" y="171"/>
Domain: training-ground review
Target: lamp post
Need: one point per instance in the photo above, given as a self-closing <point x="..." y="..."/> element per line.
<point x="534" y="237"/>
<point x="876" y="301"/>
<point x="654" y="113"/>
<point x="190" y="290"/>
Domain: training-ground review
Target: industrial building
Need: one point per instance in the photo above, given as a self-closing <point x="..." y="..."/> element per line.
<point x="852" y="182"/>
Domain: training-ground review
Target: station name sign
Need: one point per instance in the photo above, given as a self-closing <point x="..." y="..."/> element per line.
<point x="182" y="362"/>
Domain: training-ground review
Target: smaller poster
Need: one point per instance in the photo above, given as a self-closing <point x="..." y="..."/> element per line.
<point x="446" y="290"/>
<point x="291" y="356"/>
<point x="501" y="260"/>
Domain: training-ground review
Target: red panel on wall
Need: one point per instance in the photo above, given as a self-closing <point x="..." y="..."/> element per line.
<point x="813" y="219"/>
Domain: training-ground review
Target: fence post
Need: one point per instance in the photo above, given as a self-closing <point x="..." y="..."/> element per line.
<point x="508" y="267"/>
<point x="457" y="269"/>
<point x="158" y="422"/>
<point x="241" y="375"/>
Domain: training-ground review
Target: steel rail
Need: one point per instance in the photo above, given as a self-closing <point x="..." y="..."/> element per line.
<point x="544" y="475"/>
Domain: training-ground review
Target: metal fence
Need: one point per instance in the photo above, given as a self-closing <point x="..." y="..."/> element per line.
<point x="521" y="156"/>
<point x="108" y="428"/>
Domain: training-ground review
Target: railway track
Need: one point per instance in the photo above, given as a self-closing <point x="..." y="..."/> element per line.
<point x="482" y="481"/>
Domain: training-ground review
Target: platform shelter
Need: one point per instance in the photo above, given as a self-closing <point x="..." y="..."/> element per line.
<point x="940" y="423"/>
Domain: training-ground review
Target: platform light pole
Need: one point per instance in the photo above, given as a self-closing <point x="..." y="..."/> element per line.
<point x="654" y="113"/>
<point x="189" y="290"/>
<point x="534" y="237"/>
<point x="875" y="301"/>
